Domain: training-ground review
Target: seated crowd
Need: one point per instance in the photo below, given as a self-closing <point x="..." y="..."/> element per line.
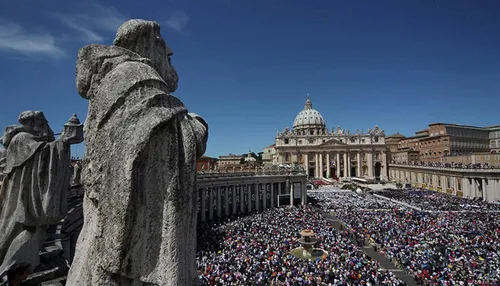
<point x="435" y="201"/>
<point x="255" y="250"/>
<point x="451" y="165"/>
<point x="437" y="248"/>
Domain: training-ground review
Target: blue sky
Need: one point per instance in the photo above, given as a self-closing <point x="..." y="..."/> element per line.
<point x="246" y="65"/>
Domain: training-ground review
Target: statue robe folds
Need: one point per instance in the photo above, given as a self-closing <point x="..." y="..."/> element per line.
<point x="139" y="176"/>
<point x="33" y="195"/>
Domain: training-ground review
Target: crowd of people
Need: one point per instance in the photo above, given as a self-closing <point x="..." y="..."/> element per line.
<point x="452" y="165"/>
<point x="350" y="201"/>
<point x="441" y="247"/>
<point x="255" y="250"/>
<point x="435" y="201"/>
<point x="436" y="248"/>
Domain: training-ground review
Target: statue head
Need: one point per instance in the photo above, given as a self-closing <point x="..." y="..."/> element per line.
<point x="144" y="38"/>
<point x="34" y="122"/>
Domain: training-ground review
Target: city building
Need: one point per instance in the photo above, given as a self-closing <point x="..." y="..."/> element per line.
<point x="205" y="163"/>
<point x="443" y="140"/>
<point x="269" y="155"/>
<point x="230" y="160"/>
<point x="495" y="139"/>
<point x="329" y="154"/>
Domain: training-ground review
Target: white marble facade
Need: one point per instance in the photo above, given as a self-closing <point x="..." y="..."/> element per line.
<point x="335" y="153"/>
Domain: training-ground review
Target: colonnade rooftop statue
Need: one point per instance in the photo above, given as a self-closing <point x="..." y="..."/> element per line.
<point x="35" y="171"/>
<point x="139" y="166"/>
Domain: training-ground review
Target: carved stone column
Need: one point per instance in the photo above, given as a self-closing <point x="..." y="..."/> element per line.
<point x="306" y="163"/>
<point x="370" y="165"/>
<point x="345" y="165"/>
<point x="349" y="175"/>
<point x="328" y="166"/>
<point x="320" y="165"/>
<point x="316" y="161"/>
<point x="337" y="168"/>
<point x="291" y="193"/>
<point x="360" y="165"/>
<point x="384" y="162"/>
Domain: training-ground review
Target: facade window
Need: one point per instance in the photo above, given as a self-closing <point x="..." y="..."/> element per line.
<point x="448" y="182"/>
<point x="300" y="142"/>
<point x="287" y="141"/>
<point x="287" y="157"/>
<point x="486" y="157"/>
<point x="376" y="139"/>
<point x="363" y="140"/>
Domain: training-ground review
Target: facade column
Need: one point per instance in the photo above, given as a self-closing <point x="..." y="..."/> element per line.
<point x="242" y="198"/>
<point x="337" y="168"/>
<point x="349" y="175"/>
<point x="219" y="201"/>
<point x="345" y="165"/>
<point x="316" y="163"/>
<point x="320" y="165"/>
<point x="203" y="204"/>
<point x="291" y="194"/>
<point x="279" y="188"/>
<point x="257" y="203"/>
<point x="272" y="195"/>
<point x="304" y="192"/>
<point x="306" y="163"/>
<point x="210" y="204"/>
<point x="249" y="194"/>
<point x="234" y="206"/>
<point x="384" y="169"/>
<point x="264" y="196"/>
<point x="485" y="190"/>
<point x="226" y="201"/>
<point x="360" y="165"/>
<point x="328" y="166"/>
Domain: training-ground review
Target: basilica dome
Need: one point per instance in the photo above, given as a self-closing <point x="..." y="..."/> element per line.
<point x="309" y="117"/>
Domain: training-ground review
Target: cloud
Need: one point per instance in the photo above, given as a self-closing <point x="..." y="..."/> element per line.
<point x="91" y="27"/>
<point x="178" y="21"/>
<point x="13" y="37"/>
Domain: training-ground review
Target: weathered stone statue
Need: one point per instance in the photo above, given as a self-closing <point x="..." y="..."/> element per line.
<point x="34" y="189"/>
<point x="139" y="167"/>
<point x="76" y="179"/>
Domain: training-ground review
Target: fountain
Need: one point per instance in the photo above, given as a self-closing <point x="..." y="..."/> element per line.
<point x="307" y="250"/>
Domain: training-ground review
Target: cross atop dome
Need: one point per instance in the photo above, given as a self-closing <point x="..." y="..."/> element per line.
<point x="308" y="104"/>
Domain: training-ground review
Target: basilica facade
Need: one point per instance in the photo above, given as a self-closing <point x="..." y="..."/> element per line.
<point x="335" y="153"/>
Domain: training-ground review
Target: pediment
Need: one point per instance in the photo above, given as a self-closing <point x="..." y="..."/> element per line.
<point x="333" y="142"/>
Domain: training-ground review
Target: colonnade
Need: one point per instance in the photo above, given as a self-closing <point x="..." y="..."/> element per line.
<point x="469" y="183"/>
<point x="340" y="163"/>
<point x="227" y="199"/>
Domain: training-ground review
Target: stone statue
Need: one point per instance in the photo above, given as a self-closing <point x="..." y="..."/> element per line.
<point x="3" y="159"/>
<point x="77" y="170"/>
<point x="139" y="168"/>
<point x="34" y="191"/>
<point x="339" y="130"/>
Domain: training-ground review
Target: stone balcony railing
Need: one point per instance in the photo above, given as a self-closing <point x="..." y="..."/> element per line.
<point x="248" y="173"/>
